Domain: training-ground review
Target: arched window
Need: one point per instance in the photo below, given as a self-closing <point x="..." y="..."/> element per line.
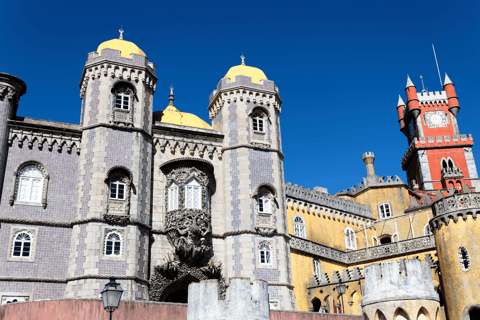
<point x="299" y="227"/>
<point x="193" y="194"/>
<point x="258" y="121"/>
<point x="265" y="253"/>
<point x="317" y="267"/>
<point x="444" y="164"/>
<point x="122" y="99"/>
<point x="451" y="164"/>
<point x="385" y="239"/>
<point x="118" y="182"/>
<point x="113" y="244"/>
<point x="30" y="185"/>
<point x="259" y="125"/>
<point x="463" y="258"/>
<point x="173" y="197"/>
<point x="426" y="230"/>
<point x="22" y="244"/>
<point x="350" y="241"/>
<point x="384" y="210"/>
<point x="264" y="204"/>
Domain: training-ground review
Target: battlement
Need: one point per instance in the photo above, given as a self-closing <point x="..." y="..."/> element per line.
<point x="246" y="302"/>
<point x="377" y="181"/>
<point x="460" y="140"/>
<point x="114" y="55"/>
<point x="428" y="98"/>
<point x="366" y="155"/>
<point x="327" y="200"/>
<point x="398" y="280"/>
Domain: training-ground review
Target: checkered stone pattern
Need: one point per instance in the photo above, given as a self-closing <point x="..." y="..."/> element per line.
<point x="62" y="168"/>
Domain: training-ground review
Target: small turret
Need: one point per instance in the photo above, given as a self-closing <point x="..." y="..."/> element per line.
<point x="401" y="112"/>
<point x="369" y="158"/>
<point x="449" y="88"/>
<point x="412" y="98"/>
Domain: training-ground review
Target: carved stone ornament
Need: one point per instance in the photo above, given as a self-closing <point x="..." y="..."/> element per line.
<point x="265" y="222"/>
<point x="188" y="230"/>
<point x="118" y="210"/>
<point x="122" y="117"/>
<point x="17" y="174"/>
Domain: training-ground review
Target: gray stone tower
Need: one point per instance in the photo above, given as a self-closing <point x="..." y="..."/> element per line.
<point x="246" y="108"/>
<point x="11" y="89"/>
<point x="112" y="213"/>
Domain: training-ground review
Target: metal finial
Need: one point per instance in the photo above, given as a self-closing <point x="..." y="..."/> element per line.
<point x="243" y="59"/>
<point x="421" y="78"/>
<point x="170" y="98"/>
<point x="121" y="33"/>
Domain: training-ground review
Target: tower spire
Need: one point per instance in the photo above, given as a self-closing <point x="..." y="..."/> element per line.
<point x="409" y="82"/>
<point x="243" y="59"/>
<point x="121" y="33"/>
<point x="447" y="80"/>
<point x="400" y="101"/>
<point x="170" y="97"/>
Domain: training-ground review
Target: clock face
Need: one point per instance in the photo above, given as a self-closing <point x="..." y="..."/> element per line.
<point x="435" y="119"/>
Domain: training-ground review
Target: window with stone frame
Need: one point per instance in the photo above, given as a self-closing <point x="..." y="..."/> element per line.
<point x="299" y="229"/>
<point x="259" y="122"/>
<point x="350" y="241"/>
<point x="384" y="210"/>
<point x="22" y="244"/>
<point x="30" y="184"/>
<point x="265" y="207"/>
<point x="118" y="184"/>
<point x="193" y="194"/>
<point x="463" y="259"/>
<point x="265" y="253"/>
<point x="113" y="244"/>
<point x="123" y="102"/>
<point x="173" y="197"/>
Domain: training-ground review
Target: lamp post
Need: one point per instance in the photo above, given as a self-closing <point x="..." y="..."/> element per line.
<point x="341" y="291"/>
<point x="111" y="295"/>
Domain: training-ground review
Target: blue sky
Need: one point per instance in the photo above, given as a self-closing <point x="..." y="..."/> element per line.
<point x="340" y="65"/>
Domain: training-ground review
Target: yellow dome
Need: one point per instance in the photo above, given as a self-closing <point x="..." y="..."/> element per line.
<point x="173" y="116"/>
<point x="243" y="70"/>
<point x="125" y="47"/>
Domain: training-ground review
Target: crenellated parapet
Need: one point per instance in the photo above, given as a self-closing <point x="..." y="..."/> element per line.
<point x="110" y="64"/>
<point x="376" y="182"/>
<point x="428" y="99"/>
<point x="243" y="89"/>
<point x="313" y="201"/>
<point x="455" y="206"/>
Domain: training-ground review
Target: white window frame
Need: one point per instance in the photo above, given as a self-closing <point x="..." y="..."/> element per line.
<point x="317" y="267"/>
<point x="27" y="180"/>
<point x="350" y="239"/>
<point x="120" y="241"/>
<point x="259" y="122"/>
<point x="427" y="230"/>
<point x="299" y="228"/>
<point x="173" y="197"/>
<point x="22" y="242"/>
<point x="117" y="185"/>
<point x="122" y="99"/>
<point x="264" y="205"/>
<point x="193" y="194"/>
<point x="382" y="210"/>
<point x="265" y="249"/>
<point x="14" y="233"/>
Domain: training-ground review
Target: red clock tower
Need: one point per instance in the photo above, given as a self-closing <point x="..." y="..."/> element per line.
<point x="438" y="156"/>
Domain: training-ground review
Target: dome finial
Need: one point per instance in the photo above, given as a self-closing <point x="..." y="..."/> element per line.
<point x="121" y="33"/>
<point x="170" y="98"/>
<point x="243" y="59"/>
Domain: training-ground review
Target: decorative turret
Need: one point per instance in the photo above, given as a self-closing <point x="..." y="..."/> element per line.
<point x="369" y="158"/>
<point x="401" y="112"/>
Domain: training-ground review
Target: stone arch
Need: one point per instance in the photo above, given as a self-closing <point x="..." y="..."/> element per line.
<point x="316" y="304"/>
<point x="177" y="291"/>
<point x="327" y="304"/>
<point x="379" y="315"/>
<point x="356" y="299"/>
<point x="471" y="312"/>
<point x="423" y="314"/>
<point x="400" y="314"/>
<point x="365" y="316"/>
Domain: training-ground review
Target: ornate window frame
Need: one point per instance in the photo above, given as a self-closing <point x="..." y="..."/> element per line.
<point x="461" y="258"/>
<point x="118" y="210"/>
<point x="385" y="205"/>
<point x="122" y="116"/>
<point x="106" y="231"/>
<point x="299" y="232"/>
<point x="258" y="136"/>
<point x="17" y="173"/>
<point x="265" y="221"/>
<point x="14" y="231"/>
<point x="271" y="244"/>
<point x="350" y="239"/>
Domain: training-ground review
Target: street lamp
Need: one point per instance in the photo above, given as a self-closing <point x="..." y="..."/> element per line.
<point x="341" y="291"/>
<point x="111" y="295"/>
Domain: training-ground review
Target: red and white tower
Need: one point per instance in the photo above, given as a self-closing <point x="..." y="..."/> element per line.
<point x="438" y="156"/>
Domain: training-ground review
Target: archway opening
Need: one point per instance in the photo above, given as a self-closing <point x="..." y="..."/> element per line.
<point x="179" y="296"/>
<point x="316" y="305"/>
<point x="474" y="314"/>
<point x="385" y="240"/>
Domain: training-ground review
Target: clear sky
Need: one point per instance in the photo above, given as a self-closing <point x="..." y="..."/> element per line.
<point x="340" y="65"/>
